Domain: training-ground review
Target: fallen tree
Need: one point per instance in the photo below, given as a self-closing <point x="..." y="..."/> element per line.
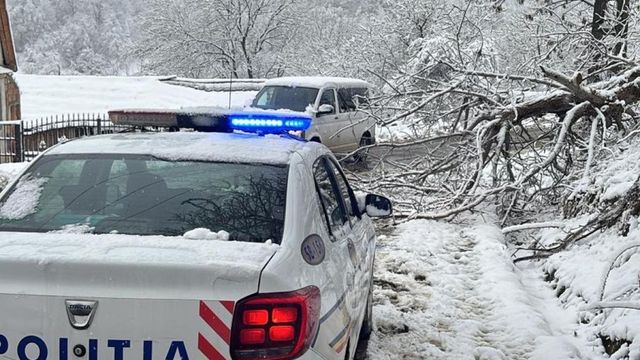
<point x="465" y="136"/>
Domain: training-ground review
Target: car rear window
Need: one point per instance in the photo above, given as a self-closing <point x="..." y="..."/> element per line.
<point x="142" y="195"/>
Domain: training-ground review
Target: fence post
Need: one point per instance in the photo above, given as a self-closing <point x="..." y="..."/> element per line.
<point x="99" y="125"/>
<point x="19" y="139"/>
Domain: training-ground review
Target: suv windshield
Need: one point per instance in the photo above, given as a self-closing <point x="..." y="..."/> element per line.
<point x="142" y="195"/>
<point x="285" y="97"/>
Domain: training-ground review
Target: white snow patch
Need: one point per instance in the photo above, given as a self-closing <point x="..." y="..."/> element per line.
<point x="23" y="201"/>
<point x="375" y="212"/>
<point x="186" y="146"/>
<point x="75" y="229"/>
<point x="206" y="234"/>
<point x="88" y="248"/>
<point x="614" y="177"/>
<point x="316" y="82"/>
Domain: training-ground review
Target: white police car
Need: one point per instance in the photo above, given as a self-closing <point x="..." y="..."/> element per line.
<point x="186" y="245"/>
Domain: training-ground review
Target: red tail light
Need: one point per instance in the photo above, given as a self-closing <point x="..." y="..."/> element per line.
<point x="278" y="326"/>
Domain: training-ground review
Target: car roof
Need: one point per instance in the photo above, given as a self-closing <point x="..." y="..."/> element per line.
<point x="192" y="146"/>
<point x="318" y="82"/>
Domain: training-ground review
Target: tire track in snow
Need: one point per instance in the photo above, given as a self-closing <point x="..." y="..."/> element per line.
<point x="444" y="291"/>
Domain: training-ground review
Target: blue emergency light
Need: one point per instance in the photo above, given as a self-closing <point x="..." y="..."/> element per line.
<point x="215" y="120"/>
<point x="268" y="122"/>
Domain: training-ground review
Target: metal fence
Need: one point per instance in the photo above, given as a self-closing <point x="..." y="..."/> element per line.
<point x="10" y="142"/>
<point x="24" y="140"/>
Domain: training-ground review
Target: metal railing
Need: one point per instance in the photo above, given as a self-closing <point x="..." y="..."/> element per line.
<point x="25" y="139"/>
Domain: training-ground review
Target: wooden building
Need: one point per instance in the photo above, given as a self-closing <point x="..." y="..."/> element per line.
<point x="9" y="91"/>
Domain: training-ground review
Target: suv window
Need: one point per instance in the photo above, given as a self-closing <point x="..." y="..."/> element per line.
<point x="350" y="98"/>
<point x="330" y="198"/>
<point x="285" y="97"/>
<point x="328" y="98"/>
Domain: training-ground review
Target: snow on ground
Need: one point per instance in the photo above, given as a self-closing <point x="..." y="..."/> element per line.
<point x="603" y="268"/>
<point x="447" y="291"/>
<point x="43" y="95"/>
<point x="579" y="278"/>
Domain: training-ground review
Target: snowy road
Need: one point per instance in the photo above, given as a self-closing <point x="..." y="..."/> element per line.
<point x="445" y="291"/>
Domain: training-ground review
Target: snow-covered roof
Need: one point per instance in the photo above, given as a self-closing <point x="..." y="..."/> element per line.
<point x="317" y="82"/>
<point x="197" y="146"/>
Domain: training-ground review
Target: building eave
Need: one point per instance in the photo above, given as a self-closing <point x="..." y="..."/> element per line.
<point x="6" y="38"/>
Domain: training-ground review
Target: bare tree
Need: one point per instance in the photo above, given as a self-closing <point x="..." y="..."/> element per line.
<point x="216" y="38"/>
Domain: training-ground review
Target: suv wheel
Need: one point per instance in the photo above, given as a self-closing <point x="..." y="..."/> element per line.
<point x="361" y="156"/>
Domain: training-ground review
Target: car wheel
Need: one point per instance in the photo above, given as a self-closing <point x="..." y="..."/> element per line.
<point x="361" y="156"/>
<point x="367" y="323"/>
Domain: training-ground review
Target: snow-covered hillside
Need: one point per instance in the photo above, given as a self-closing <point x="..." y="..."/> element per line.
<point x="56" y="95"/>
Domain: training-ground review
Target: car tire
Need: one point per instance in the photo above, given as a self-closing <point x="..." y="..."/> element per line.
<point x="361" y="156"/>
<point x="367" y="323"/>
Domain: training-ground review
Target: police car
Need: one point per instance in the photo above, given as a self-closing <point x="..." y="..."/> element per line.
<point x="187" y="245"/>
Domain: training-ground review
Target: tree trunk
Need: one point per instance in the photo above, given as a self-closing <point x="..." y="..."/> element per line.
<point x="622" y="27"/>
<point x="599" y="15"/>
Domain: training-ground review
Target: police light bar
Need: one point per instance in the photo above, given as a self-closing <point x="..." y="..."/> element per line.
<point x="215" y="120"/>
<point x="269" y="122"/>
<point x="203" y="119"/>
<point x="160" y="118"/>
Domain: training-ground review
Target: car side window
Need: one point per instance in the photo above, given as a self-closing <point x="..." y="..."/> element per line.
<point x="265" y="97"/>
<point x="345" y="191"/>
<point x="360" y="97"/>
<point x="328" y="98"/>
<point x="346" y="100"/>
<point x="330" y="199"/>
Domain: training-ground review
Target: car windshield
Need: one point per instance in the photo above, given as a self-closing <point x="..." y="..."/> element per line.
<point x="141" y="195"/>
<point x="285" y="97"/>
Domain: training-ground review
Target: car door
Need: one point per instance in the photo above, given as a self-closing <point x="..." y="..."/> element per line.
<point x="350" y="129"/>
<point x="342" y="252"/>
<point x="361" y="239"/>
<point x="326" y="124"/>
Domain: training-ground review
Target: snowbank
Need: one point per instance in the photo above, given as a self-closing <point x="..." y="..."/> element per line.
<point x="597" y="271"/>
<point x="596" y="281"/>
<point x="43" y="95"/>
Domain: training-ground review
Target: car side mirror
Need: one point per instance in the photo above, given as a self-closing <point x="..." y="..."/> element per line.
<point x="326" y="109"/>
<point x="376" y="206"/>
<point x="248" y="103"/>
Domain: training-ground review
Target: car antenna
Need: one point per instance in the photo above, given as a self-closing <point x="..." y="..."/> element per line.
<point x="230" y="87"/>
